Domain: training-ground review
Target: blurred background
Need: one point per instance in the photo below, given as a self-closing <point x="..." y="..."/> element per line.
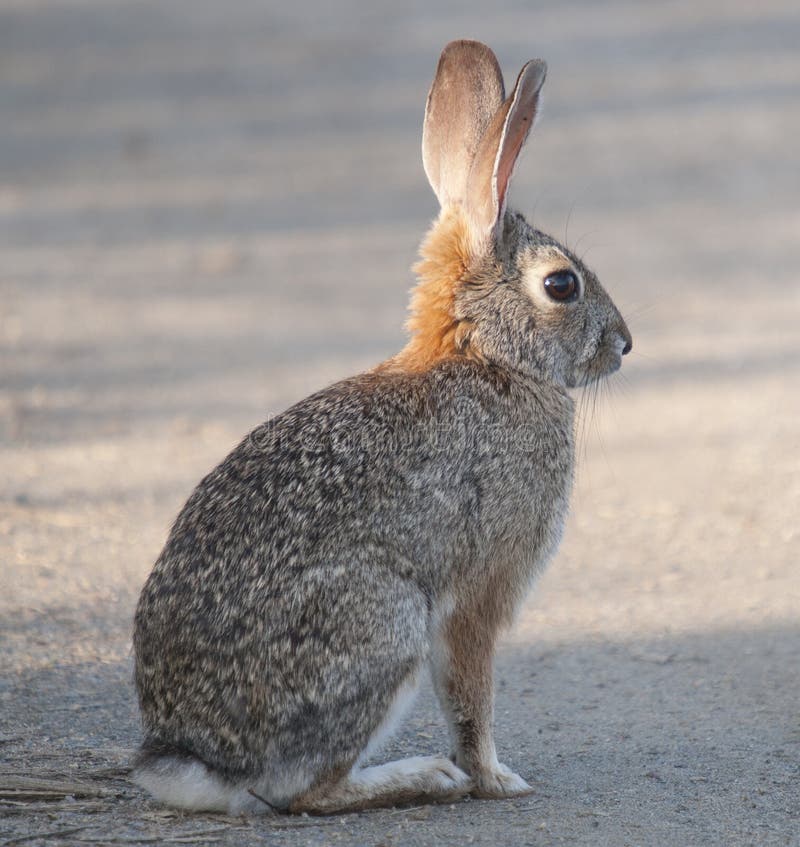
<point x="208" y="210"/>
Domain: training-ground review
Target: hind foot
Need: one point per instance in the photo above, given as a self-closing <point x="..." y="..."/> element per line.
<point x="421" y="779"/>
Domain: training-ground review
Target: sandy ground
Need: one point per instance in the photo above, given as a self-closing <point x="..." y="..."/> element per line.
<point x="208" y="210"/>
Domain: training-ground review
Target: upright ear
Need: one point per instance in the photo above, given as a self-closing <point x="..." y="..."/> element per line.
<point x="489" y="178"/>
<point x="466" y="93"/>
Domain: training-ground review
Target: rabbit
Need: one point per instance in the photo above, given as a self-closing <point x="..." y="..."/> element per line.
<point x="388" y="525"/>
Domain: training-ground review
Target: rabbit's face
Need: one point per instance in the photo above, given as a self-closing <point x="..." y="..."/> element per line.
<point x="540" y="309"/>
<point x="491" y="286"/>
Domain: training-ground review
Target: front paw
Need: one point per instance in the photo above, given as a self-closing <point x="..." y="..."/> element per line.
<point x="499" y="781"/>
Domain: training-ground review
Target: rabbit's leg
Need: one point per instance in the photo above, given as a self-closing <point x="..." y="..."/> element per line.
<point x="421" y="779"/>
<point x="415" y="780"/>
<point x="461" y="665"/>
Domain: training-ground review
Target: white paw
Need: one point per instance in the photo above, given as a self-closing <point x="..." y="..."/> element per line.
<point x="500" y="781"/>
<point x="449" y="777"/>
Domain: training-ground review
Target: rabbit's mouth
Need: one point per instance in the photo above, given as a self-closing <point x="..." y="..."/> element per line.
<point x="604" y="360"/>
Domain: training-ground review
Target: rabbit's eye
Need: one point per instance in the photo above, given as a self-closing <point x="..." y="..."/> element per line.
<point x="562" y="286"/>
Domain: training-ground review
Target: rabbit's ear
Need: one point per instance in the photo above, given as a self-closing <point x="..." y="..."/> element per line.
<point x="466" y="93"/>
<point x="497" y="153"/>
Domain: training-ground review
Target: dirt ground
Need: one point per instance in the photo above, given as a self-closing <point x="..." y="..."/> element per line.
<point x="208" y="210"/>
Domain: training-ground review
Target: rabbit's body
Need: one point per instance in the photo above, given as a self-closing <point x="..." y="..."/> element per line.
<point x="388" y="524"/>
<point x="302" y="575"/>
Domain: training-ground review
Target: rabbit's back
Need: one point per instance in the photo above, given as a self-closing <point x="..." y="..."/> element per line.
<point x="298" y="585"/>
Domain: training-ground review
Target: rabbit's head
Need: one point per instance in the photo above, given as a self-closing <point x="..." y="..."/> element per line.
<point x="492" y="287"/>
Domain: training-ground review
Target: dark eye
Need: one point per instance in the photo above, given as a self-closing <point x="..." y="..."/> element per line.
<point x="562" y="286"/>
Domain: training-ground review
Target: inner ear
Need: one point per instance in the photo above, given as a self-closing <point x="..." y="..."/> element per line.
<point x="490" y="175"/>
<point x="518" y="123"/>
<point x="466" y="92"/>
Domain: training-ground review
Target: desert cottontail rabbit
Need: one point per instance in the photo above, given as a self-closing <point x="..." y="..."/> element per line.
<point x="388" y="524"/>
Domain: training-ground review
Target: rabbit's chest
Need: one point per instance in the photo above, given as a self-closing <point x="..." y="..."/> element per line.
<point x="528" y="479"/>
<point x="521" y="479"/>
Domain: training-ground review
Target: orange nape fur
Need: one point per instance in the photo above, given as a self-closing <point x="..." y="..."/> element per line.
<point x="436" y="332"/>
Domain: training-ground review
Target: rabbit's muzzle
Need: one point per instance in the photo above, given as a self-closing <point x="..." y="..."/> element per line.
<point x="606" y="358"/>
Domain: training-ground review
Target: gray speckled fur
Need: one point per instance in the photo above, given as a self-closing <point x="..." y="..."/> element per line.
<point x="297" y="587"/>
<point x="311" y="575"/>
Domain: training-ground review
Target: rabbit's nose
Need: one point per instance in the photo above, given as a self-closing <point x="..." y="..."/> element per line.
<point x="625" y="336"/>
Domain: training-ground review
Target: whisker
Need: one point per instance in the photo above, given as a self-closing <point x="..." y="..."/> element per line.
<point x="566" y="226"/>
<point x="582" y="415"/>
<point x="532" y="218"/>
<point x="587" y="392"/>
<point x="586" y="234"/>
<point x="633" y="312"/>
<point x="602" y="385"/>
<point x="640" y="355"/>
<point x="621" y="383"/>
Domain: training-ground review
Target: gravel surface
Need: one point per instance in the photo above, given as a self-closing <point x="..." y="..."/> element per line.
<point x="209" y="210"/>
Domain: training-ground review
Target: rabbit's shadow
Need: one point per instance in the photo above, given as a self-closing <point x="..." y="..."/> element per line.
<point x="677" y="722"/>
